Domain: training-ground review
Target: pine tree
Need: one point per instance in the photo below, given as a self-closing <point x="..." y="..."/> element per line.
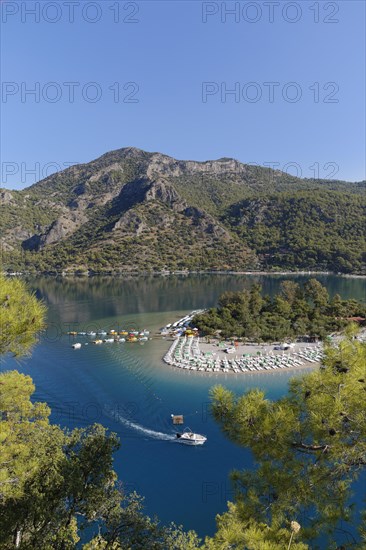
<point x="55" y="483"/>
<point x="22" y="317"/>
<point x="309" y="447"/>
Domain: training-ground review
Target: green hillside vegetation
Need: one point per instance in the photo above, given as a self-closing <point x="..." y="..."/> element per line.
<point x="216" y="194"/>
<point x="130" y="210"/>
<point x="99" y="175"/>
<point x="309" y="229"/>
<point x="178" y="244"/>
<point x="295" y="311"/>
<point x="25" y="211"/>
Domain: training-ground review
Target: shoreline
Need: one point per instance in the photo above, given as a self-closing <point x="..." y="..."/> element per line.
<point x="192" y="354"/>
<point x="213" y="356"/>
<point x="89" y="274"/>
<point x="277" y="372"/>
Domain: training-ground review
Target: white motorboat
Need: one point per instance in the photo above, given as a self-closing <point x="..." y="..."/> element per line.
<point x="187" y="437"/>
<point x="76" y="346"/>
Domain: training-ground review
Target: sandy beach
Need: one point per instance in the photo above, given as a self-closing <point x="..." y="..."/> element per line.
<point x="198" y="354"/>
<point x="249" y="349"/>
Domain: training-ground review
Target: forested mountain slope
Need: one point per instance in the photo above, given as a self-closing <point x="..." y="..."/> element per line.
<point x="130" y="210"/>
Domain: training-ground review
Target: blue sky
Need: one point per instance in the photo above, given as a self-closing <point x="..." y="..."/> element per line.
<point x="172" y="62"/>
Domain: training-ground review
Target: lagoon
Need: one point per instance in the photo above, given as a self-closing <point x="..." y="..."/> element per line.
<point x="129" y="389"/>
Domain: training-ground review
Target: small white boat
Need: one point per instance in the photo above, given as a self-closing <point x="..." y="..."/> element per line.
<point x="187" y="437"/>
<point x="76" y="346"/>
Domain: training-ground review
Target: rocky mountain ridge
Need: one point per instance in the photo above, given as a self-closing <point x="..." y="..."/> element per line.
<point x="130" y="209"/>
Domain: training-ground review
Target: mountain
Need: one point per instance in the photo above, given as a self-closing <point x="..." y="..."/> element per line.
<point x="131" y="210"/>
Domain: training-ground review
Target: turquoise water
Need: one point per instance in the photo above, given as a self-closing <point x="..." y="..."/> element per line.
<point x="128" y="388"/>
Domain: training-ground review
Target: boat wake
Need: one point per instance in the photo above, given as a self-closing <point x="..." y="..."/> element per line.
<point x="146" y="431"/>
<point x="138" y="370"/>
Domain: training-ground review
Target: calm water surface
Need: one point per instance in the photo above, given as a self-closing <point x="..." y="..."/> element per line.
<point x="130" y="390"/>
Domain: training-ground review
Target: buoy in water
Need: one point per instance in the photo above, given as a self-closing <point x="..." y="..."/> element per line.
<point x="177" y="418"/>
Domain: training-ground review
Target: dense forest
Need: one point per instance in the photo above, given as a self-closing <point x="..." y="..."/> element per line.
<point x="298" y="310"/>
<point x="304" y="230"/>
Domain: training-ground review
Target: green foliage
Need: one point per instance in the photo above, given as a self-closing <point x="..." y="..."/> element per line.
<point x="48" y="477"/>
<point x="21" y="317"/>
<point x="309" y="229"/>
<point x="54" y="483"/>
<point x="295" y="311"/>
<point x="219" y="215"/>
<point x="309" y="448"/>
<point x="233" y="532"/>
<point x="130" y="528"/>
<point x="236" y="182"/>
